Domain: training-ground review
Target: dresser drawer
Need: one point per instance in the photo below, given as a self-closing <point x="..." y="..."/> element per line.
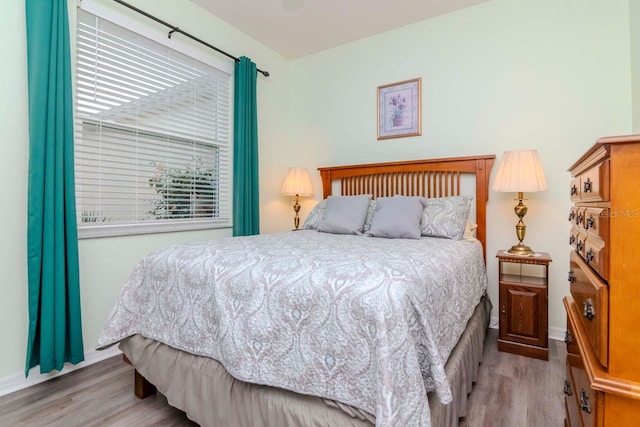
<point x="587" y="399"/>
<point x="591" y="297"/>
<point x="579" y="238"/>
<point x="574" y="189"/>
<point x="570" y="339"/>
<point x="572" y="408"/>
<point x="579" y="217"/>
<point x="594" y="184"/>
<point x="596" y="222"/>
<point x="573" y="236"/>
<point x="596" y="254"/>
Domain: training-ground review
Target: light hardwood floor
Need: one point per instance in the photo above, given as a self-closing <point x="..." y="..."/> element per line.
<point x="511" y="391"/>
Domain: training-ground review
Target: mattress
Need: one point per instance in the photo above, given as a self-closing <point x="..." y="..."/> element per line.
<point x="363" y="321"/>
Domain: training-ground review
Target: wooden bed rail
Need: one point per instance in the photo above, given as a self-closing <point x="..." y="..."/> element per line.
<point x="425" y="178"/>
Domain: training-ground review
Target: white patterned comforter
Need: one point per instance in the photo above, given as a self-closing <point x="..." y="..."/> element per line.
<point x="365" y="321"/>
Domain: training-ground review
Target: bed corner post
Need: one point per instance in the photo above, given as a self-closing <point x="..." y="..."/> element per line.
<point x="483" y="173"/>
<point x="325" y="175"/>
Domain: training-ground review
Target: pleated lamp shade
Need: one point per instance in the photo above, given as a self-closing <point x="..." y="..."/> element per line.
<point x="520" y="171"/>
<point x="297" y="182"/>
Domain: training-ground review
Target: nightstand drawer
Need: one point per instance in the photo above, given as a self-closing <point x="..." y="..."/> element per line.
<point x="591" y="297"/>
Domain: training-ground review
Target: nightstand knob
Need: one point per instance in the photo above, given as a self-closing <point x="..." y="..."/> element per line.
<point x="590" y="256"/>
<point x="589" y="223"/>
<point x="572" y="239"/>
<point x="587" y="309"/>
<point x="567" y="337"/>
<point x="567" y="388"/>
<point x="580" y="246"/>
<point x="587" y="186"/>
<point x="572" y="216"/>
<point x="579" y="219"/>
<point x="574" y="190"/>
<point x="584" y="401"/>
<point x="572" y="277"/>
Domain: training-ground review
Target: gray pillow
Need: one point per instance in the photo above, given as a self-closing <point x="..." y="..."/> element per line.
<point x="314" y="217"/>
<point x="397" y="217"/>
<point x="345" y="214"/>
<point x="446" y="216"/>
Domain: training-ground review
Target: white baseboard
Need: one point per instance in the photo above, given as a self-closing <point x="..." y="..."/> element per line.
<point x="554" y="333"/>
<point x="17" y="381"/>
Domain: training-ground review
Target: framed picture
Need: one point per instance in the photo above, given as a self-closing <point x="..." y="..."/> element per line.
<point x="399" y="109"/>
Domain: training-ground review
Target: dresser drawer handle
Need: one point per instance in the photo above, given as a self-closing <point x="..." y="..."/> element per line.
<point x="567" y="337"/>
<point x="572" y="239"/>
<point x="587" y="309"/>
<point x="574" y="190"/>
<point x="579" y="219"/>
<point x="580" y="245"/>
<point x="572" y="277"/>
<point x="584" y="401"/>
<point x="587" y="186"/>
<point x="589" y="223"/>
<point x="590" y="256"/>
<point x="572" y="216"/>
<point x="567" y="388"/>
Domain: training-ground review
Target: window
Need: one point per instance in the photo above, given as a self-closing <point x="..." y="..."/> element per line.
<point x="152" y="135"/>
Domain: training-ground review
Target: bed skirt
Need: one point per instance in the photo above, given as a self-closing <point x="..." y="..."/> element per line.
<point x="202" y="388"/>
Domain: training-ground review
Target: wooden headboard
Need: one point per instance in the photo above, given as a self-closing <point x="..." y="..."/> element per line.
<point x="426" y="178"/>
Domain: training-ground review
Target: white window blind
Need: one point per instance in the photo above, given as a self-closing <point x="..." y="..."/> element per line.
<point x="152" y="135"/>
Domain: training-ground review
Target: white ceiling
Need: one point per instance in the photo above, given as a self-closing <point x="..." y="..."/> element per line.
<point x="295" y="28"/>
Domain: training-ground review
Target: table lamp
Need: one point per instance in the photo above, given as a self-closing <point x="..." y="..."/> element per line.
<point x="520" y="171"/>
<point x="297" y="184"/>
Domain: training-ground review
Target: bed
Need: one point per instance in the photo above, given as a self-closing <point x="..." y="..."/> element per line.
<point x="314" y="328"/>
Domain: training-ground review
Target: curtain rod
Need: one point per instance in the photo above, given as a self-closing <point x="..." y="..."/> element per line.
<point x="175" y="29"/>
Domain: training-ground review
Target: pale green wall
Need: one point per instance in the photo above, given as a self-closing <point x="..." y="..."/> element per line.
<point x="13" y="173"/>
<point x="106" y="263"/>
<point x="505" y="74"/>
<point x="634" y="22"/>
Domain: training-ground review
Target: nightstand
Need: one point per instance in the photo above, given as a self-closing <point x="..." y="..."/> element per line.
<point x="524" y="290"/>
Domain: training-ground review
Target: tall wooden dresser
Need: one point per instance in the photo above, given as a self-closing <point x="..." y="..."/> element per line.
<point x="602" y="386"/>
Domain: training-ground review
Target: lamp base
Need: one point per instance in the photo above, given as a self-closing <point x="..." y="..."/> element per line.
<point x="521" y="249"/>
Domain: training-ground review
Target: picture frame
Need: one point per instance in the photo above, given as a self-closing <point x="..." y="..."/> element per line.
<point x="400" y="109"/>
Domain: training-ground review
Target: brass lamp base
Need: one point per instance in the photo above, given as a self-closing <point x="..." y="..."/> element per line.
<point x="296" y="209"/>
<point x="521" y="211"/>
<point x="521" y="249"/>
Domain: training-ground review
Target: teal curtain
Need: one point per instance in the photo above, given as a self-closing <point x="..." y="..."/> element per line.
<point x="246" y="209"/>
<point x="55" y="329"/>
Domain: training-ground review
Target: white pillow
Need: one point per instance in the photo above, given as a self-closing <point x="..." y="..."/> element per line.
<point x="446" y="216"/>
<point x="470" y="229"/>
<point x="314" y="217"/>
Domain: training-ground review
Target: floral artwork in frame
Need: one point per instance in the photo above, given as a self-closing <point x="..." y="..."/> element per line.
<point x="399" y="112"/>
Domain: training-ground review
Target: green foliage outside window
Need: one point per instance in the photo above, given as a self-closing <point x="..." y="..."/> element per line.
<point x="185" y="193"/>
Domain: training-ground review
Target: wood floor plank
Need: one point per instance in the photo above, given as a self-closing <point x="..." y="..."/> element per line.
<point x="511" y="391"/>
